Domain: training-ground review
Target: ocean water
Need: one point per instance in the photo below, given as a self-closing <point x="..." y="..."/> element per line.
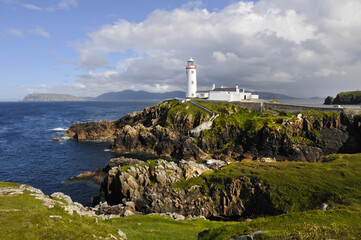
<point x="29" y="155"/>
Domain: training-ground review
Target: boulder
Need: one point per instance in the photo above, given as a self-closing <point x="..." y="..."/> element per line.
<point x="329" y="100"/>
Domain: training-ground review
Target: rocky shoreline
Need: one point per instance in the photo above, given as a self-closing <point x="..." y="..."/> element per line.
<point x="166" y="131"/>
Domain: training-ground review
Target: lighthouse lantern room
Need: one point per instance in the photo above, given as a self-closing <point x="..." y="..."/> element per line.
<point x="191" y="71"/>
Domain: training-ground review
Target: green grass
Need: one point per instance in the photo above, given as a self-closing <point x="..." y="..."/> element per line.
<point x="317" y="115"/>
<point x="350" y="94"/>
<point x="276" y="101"/>
<point x="162" y="227"/>
<point x="316" y="224"/>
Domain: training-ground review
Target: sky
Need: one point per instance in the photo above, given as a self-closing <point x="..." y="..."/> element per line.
<point x="301" y="48"/>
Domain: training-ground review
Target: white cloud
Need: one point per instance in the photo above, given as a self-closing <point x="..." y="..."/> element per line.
<point x="67" y="4"/>
<point x="302" y="48"/>
<point x="61" y="5"/>
<point x="32" y="7"/>
<point x="15" y="32"/>
<point x="41" y="32"/>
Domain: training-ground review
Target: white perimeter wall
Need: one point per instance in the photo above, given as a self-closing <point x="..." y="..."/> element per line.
<point x="222" y="96"/>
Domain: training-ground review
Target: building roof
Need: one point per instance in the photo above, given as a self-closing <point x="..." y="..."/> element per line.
<point x="224" y="89"/>
<point x="203" y="91"/>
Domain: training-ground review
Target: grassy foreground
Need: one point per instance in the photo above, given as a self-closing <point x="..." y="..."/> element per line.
<point x="297" y="188"/>
<point x="24" y="217"/>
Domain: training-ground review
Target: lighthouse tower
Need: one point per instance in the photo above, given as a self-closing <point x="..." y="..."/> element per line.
<point x="191" y="70"/>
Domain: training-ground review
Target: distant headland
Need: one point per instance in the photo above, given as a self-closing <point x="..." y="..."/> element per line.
<point x="50" y="97"/>
<point x="346" y="98"/>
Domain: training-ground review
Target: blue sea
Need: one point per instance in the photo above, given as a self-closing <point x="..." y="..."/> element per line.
<point x="29" y="155"/>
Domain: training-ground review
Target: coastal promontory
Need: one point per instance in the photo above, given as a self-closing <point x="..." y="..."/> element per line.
<point x="345" y="98"/>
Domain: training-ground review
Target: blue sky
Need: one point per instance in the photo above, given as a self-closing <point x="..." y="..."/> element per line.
<point x="87" y="47"/>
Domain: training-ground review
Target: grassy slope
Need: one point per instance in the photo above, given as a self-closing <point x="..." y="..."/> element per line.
<point x="297" y="189"/>
<point x="163" y="227"/>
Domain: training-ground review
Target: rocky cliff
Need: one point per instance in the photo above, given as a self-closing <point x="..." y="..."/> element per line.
<point x="164" y="130"/>
<point x="156" y="186"/>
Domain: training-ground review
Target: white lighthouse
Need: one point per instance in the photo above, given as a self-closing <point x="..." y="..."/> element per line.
<point x="191" y="70"/>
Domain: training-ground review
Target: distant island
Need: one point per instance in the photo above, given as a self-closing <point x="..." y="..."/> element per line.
<point x="50" y="97"/>
<point x="130" y="95"/>
<point x="345" y="98"/>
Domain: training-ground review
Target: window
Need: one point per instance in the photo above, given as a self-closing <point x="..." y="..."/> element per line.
<point x="192" y="94"/>
<point x="192" y="71"/>
<point x="192" y="82"/>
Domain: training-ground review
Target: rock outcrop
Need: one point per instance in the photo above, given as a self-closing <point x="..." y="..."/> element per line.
<point x="152" y="188"/>
<point x="98" y="175"/>
<point x="99" y="131"/>
<point x="329" y="100"/>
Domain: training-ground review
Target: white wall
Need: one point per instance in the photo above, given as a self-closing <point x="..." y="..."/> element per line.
<point x="231" y="96"/>
<point x="222" y="96"/>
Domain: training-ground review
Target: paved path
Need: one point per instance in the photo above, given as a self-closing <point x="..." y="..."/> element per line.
<point x="210" y="112"/>
<point x="195" y="132"/>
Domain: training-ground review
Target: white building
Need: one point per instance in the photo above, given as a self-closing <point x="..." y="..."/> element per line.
<point x="220" y="93"/>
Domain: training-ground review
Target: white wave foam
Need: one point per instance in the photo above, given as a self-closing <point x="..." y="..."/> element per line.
<point x="107" y="150"/>
<point x="65" y="138"/>
<point x="59" y="129"/>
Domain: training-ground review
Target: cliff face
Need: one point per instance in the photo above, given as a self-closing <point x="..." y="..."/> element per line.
<point x="154" y="188"/>
<point x="164" y="131"/>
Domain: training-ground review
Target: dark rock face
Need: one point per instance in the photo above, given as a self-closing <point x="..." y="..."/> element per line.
<point x="328" y="100"/>
<point x="103" y="130"/>
<point x="157" y="140"/>
<point x="151" y="189"/>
